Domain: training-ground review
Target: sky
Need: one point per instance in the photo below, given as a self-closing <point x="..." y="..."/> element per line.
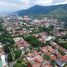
<point x="15" y="5"/>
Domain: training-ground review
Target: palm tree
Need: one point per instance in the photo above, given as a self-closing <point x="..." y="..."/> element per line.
<point x="12" y="53"/>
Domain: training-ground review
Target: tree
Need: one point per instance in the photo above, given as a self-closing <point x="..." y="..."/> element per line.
<point x="17" y="53"/>
<point x="6" y="48"/>
<point x="20" y="63"/>
<point x="46" y="57"/>
<point x="53" y="63"/>
<point x="61" y="52"/>
<point x="33" y="41"/>
<point x="14" y="54"/>
<point x="9" y="58"/>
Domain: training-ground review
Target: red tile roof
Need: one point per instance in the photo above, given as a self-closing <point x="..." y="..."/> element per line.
<point x="47" y="65"/>
<point x="36" y="65"/>
<point x="21" y="43"/>
<point x="64" y="58"/>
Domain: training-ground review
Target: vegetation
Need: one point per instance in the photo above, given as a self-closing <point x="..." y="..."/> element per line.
<point x="61" y="52"/>
<point x="1" y="28"/>
<point x="6" y="47"/>
<point x="62" y="43"/>
<point x="65" y="65"/>
<point x="20" y="63"/>
<point x="53" y="63"/>
<point x="5" y="37"/>
<point x="14" y="54"/>
<point x="47" y="43"/>
<point x="33" y="41"/>
<point x="41" y="29"/>
<point x="46" y="57"/>
<point x="42" y="10"/>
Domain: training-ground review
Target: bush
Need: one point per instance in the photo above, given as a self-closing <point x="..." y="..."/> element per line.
<point x="46" y="57"/>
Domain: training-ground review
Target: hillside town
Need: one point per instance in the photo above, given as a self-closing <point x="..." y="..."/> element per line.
<point x="32" y="42"/>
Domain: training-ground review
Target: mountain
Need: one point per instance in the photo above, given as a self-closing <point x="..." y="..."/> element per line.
<point x="44" y="10"/>
<point x="58" y="13"/>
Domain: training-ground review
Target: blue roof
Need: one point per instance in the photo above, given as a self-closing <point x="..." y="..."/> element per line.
<point x="60" y="63"/>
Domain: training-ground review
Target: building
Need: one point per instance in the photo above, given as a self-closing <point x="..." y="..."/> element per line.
<point x="3" y="62"/>
<point x="21" y="43"/>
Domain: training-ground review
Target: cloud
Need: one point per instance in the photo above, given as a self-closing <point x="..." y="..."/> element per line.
<point x="44" y="2"/>
<point x="12" y="5"/>
<point x="60" y="2"/>
<point x="6" y="4"/>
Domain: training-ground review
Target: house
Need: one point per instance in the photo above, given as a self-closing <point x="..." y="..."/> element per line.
<point x="51" y="49"/>
<point x="26" y="18"/>
<point x="2" y="57"/>
<point x="34" y="59"/>
<point x="47" y="65"/>
<point x="21" y="43"/>
<point x="60" y="63"/>
<point x="64" y="58"/>
<point x="53" y="57"/>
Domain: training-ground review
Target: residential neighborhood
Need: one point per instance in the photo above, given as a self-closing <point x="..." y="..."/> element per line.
<point x="32" y="42"/>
